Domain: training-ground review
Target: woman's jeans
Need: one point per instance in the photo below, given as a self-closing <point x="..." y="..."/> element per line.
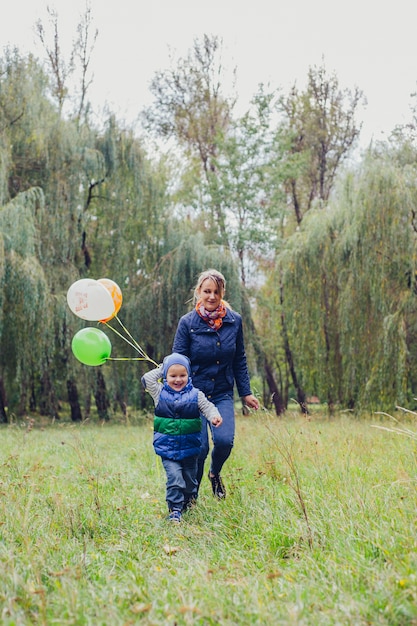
<point x="181" y="485"/>
<point x="222" y="436"/>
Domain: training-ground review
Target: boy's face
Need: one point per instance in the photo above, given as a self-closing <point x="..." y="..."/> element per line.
<point x="177" y="376"/>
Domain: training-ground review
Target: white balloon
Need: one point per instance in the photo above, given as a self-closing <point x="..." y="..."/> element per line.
<point x="90" y="300"/>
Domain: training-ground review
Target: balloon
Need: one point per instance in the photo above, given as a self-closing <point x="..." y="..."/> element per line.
<point x="90" y="300"/>
<point x="91" y="346"/>
<point x="116" y="294"/>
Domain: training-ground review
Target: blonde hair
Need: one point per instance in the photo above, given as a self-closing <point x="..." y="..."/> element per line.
<point x="216" y="277"/>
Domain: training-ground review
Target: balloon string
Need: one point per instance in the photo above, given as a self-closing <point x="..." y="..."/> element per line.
<point x="129" y="335"/>
<point x="124" y="338"/>
<point x="127" y="358"/>
<point x="121" y="336"/>
<point x="139" y="348"/>
<point x="134" y="345"/>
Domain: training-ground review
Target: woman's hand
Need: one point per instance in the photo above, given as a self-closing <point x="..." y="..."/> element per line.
<point x="251" y="402"/>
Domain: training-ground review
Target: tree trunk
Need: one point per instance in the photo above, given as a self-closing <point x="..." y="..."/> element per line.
<point x="330" y="395"/>
<point x="48" y="404"/>
<point x="3" y="403"/>
<point x="121" y="402"/>
<point x="276" y="396"/>
<point x="32" y="398"/>
<point x="76" y="415"/>
<point x="301" y="396"/>
<point x="100" y="395"/>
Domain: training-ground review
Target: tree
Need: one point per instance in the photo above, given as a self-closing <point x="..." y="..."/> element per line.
<point x="244" y="188"/>
<point x="96" y="209"/>
<point x="189" y="106"/>
<point x="62" y="69"/>
<point x="83" y="50"/>
<point x="25" y="312"/>
<point x="321" y="129"/>
<point x="317" y="131"/>
<point x="350" y="283"/>
<point x="168" y="291"/>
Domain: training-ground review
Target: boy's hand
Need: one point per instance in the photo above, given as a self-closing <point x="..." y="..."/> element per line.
<point x="217" y="421"/>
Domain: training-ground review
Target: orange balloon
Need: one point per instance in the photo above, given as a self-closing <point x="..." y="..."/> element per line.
<point x="116" y="294"/>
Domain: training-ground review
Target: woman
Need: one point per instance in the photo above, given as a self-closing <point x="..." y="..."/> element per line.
<point x="211" y="336"/>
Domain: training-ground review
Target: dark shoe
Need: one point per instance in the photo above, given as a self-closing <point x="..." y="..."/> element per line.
<point x="189" y="504"/>
<point x="175" y="516"/>
<point x="219" y="490"/>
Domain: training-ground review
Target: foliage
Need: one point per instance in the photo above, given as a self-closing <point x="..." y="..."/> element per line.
<point x="244" y="186"/>
<point x="189" y="106"/>
<point x="188" y="100"/>
<point x="321" y="128"/>
<point x="25" y="297"/>
<point x="348" y="276"/>
<point x="84" y="201"/>
<point x="329" y="270"/>
<point x="168" y="292"/>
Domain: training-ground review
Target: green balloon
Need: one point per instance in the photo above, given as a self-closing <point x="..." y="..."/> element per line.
<point x="91" y="346"/>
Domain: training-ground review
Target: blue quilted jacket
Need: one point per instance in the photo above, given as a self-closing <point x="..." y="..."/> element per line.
<point x="218" y="358"/>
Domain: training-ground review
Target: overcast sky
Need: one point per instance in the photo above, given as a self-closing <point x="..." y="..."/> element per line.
<point x="367" y="43"/>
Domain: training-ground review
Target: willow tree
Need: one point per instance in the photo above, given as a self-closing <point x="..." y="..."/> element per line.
<point x="168" y="291"/>
<point x="316" y="133"/>
<point x="44" y="153"/>
<point x="349" y="276"/>
<point x="102" y="214"/>
<point x="379" y="302"/>
<point x="23" y="106"/>
<point x="113" y="223"/>
<point x="309" y="313"/>
<point x="125" y="224"/>
<point x="127" y="212"/>
<point x="27" y="340"/>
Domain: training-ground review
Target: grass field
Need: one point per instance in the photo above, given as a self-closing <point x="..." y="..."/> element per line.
<point x="319" y="527"/>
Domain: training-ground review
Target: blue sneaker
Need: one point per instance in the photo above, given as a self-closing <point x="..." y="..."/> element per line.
<point x="174" y="516"/>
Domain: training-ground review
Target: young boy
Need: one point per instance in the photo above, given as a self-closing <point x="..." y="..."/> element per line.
<point x="177" y="428"/>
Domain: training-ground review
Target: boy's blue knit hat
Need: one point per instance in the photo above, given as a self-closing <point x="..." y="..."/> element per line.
<point x="176" y="359"/>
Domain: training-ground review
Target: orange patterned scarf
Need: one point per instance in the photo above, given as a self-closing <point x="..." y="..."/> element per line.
<point x="213" y="318"/>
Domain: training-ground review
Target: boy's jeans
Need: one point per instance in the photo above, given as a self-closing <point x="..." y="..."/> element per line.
<point x="181" y="485"/>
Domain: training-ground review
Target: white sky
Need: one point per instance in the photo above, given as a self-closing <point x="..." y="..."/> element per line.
<point x="368" y="43"/>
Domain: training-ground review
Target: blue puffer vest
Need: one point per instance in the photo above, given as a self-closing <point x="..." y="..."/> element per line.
<point x="177" y="423"/>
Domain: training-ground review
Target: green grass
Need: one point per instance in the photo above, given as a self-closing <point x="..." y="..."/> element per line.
<point x="319" y="528"/>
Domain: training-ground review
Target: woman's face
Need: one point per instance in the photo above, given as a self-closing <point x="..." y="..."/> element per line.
<point x="209" y="294"/>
